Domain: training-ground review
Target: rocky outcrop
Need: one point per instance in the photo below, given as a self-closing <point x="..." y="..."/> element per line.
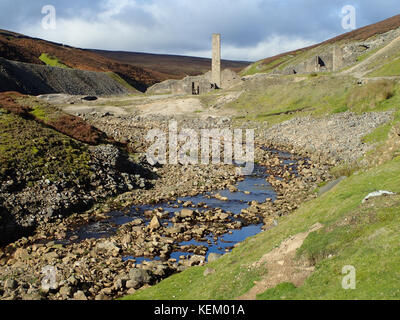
<point x="23" y="209"/>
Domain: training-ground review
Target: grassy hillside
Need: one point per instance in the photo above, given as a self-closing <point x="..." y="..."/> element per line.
<point x="30" y="108"/>
<point x="390" y="69"/>
<point x="39" y="139"/>
<point x="279" y="99"/>
<point x="21" y="48"/>
<point x="121" y="81"/>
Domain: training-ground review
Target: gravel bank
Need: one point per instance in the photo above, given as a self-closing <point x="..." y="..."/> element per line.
<point x="338" y="137"/>
<point x="35" y="79"/>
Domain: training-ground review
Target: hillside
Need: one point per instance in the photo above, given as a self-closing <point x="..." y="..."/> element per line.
<point x="175" y="66"/>
<point x="45" y="153"/>
<point x="21" y="48"/>
<point x="354" y="41"/>
<point x="140" y="70"/>
<point x="28" y="78"/>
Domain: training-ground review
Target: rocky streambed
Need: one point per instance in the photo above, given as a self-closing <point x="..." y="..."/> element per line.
<point x="217" y="220"/>
<point x="104" y="255"/>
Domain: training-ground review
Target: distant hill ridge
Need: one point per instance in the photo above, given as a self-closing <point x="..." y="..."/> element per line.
<point x="175" y="66"/>
<point x="140" y="70"/>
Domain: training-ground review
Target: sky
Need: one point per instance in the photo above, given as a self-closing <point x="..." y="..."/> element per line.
<point x="250" y="29"/>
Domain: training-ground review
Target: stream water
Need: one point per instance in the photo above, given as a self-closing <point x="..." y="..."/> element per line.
<point x="252" y="188"/>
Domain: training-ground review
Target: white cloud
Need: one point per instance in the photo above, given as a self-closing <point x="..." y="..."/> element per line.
<point x="270" y="47"/>
<point x="251" y="29"/>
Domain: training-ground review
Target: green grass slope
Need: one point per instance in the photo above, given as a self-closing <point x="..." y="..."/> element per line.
<point x="40" y="150"/>
<point x="121" y="81"/>
<point x="279" y="99"/>
<point x="52" y="61"/>
<point x="38" y="138"/>
<point x="390" y="69"/>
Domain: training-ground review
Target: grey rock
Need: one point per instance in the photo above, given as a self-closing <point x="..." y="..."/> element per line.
<point x="377" y="194"/>
<point x="186" y="213"/>
<point x="32" y="297"/>
<point x="155" y="223"/>
<point x="101" y="297"/>
<point x="108" y="246"/>
<point x="120" y="284"/>
<point x="138" y="278"/>
<point x="65" y="291"/>
<point x="213" y="257"/>
<point x="196" y="260"/>
<point x="72" y="281"/>
<point x="80" y="295"/>
<point x="140" y="275"/>
<point x="330" y="185"/>
<point x="10" y="284"/>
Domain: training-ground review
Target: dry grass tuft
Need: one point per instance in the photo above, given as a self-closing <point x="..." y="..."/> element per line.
<point x="368" y="96"/>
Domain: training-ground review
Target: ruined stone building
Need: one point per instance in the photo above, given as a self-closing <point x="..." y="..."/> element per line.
<point x="330" y="60"/>
<point x="196" y="85"/>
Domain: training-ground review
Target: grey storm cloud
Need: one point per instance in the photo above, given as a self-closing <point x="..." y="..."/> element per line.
<point x="251" y="29"/>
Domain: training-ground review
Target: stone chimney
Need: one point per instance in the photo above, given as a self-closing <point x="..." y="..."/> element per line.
<point x="216" y="60"/>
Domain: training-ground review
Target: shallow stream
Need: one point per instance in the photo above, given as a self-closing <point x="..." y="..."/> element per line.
<point x="252" y="188"/>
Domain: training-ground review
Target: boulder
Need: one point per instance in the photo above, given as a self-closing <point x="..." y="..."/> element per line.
<point x="80" y="295"/>
<point x="108" y="246"/>
<point x="137" y="278"/>
<point x="10" y="284"/>
<point x="223" y="216"/>
<point x="196" y="260"/>
<point x="21" y="254"/>
<point x="155" y="223"/>
<point x="186" y="213"/>
<point x="176" y="229"/>
<point x="65" y="291"/>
